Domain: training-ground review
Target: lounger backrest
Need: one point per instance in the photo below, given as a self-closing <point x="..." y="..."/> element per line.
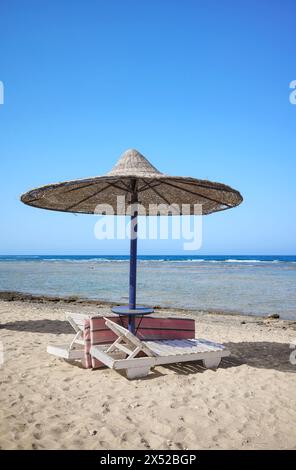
<point x="76" y="320"/>
<point x="120" y="331"/>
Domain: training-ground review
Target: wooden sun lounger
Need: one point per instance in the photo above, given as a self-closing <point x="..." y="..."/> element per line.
<point x="75" y="349"/>
<point x="124" y="352"/>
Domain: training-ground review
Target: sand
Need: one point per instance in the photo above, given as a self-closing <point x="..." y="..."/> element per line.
<point x="47" y="403"/>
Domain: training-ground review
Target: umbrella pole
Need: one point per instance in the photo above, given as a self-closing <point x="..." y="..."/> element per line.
<point x="133" y="261"/>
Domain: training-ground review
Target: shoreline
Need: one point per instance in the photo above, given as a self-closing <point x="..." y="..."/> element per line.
<point x="12" y="296"/>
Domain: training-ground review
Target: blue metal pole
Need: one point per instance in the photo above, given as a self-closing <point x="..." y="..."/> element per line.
<point x="133" y="265"/>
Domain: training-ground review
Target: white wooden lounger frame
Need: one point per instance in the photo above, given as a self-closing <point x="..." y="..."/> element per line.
<point x="122" y="354"/>
<point x="75" y="349"/>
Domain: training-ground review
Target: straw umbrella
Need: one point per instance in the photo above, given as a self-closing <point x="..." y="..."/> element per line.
<point x="137" y="180"/>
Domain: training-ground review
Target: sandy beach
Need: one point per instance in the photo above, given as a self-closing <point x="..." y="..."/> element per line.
<point x="47" y="403"/>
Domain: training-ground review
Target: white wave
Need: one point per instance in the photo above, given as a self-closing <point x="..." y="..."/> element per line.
<point x="188" y="260"/>
<point x="245" y="261"/>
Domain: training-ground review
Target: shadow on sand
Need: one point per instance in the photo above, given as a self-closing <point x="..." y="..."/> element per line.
<point x="39" y="326"/>
<point x="260" y="354"/>
<point x="263" y="355"/>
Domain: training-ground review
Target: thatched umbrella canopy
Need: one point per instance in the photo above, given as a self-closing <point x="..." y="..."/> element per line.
<point x="139" y="182"/>
<point x="133" y="172"/>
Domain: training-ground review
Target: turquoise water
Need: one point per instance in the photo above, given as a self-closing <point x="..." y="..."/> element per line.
<point x="256" y="285"/>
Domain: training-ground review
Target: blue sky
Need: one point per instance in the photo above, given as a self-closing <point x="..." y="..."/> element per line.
<point x="201" y="88"/>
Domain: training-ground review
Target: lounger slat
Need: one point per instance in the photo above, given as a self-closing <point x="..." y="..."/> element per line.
<point x="210" y="343"/>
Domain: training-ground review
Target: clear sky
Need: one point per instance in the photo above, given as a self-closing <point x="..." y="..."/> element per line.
<point x="201" y="88"/>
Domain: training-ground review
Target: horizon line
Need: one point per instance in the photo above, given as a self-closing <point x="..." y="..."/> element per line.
<point x="143" y="254"/>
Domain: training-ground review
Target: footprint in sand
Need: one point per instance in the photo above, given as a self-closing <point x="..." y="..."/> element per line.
<point x="106" y="408"/>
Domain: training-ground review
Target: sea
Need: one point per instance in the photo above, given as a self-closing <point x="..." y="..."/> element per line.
<point x="250" y="285"/>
